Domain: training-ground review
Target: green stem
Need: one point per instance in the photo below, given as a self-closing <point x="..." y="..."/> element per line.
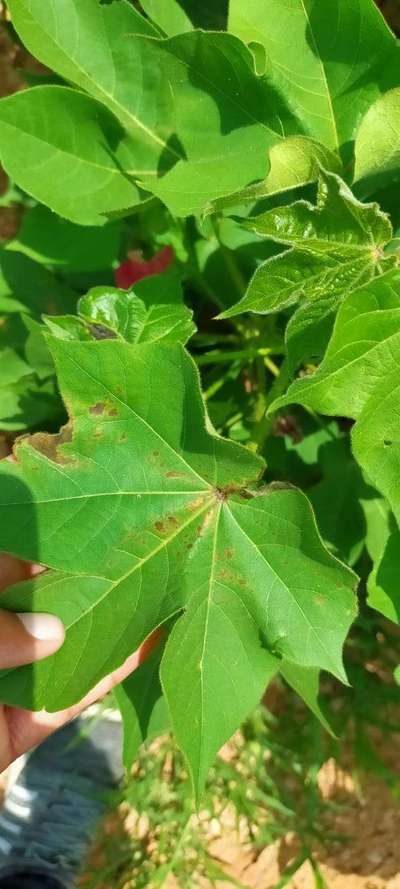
<point x="216" y="357"/>
<point x="232" y="265"/>
<point x="264" y="427"/>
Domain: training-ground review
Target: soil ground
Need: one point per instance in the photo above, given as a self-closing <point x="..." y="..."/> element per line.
<point x="367" y="855"/>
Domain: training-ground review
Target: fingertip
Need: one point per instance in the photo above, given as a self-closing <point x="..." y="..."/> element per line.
<point x="43" y="627"/>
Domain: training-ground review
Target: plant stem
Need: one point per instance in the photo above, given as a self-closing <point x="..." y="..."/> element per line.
<point x="232" y="266"/>
<point x="264" y="427"/>
<point x="221" y="357"/>
<point x="216" y="357"/>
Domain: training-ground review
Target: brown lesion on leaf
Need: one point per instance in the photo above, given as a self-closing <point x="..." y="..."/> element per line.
<point x="103" y="408"/>
<point x="205" y="523"/>
<point x="195" y="504"/>
<point x="49" y="445"/>
<point x="226" y="575"/>
<point x="172" y="473"/>
<point x="97" y="409"/>
<point x="222" y="494"/>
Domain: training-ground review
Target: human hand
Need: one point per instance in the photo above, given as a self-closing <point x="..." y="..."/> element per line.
<point x="30" y="637"/>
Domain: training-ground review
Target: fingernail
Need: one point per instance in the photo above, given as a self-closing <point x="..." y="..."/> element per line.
<point x="43" y="626"/>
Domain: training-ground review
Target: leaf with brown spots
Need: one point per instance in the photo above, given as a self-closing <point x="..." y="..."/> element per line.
<point x="155" y="518"/>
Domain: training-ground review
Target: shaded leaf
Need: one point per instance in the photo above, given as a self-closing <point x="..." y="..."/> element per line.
<point x="54" y="241"/>
<point x="26" y="286"/>
<point x="28" y="395"/>
<point x="336" y="501"/>
<point x="143" y="707"/>
<point x="382" y="543"/>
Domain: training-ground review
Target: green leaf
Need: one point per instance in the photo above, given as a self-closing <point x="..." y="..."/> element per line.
<point x="383" y="584"/>
<point x="365" y="335"/>
<point x="54" y="241"/>
<point x="68" y="152"/>
<point x="70" y="327"/>
<point x="294" y="162"/>
<point x="95" y="46"/>
<point x="166" y="520"/>
<point x="383" y="547"/>
<point x="358" y="378"/>
<point x="223" y="113"/>
<point x="29" y="404"/>
<point x="335" y="246"/>
<point x="28" y="397"/>
<point x="25" y="286"/>
<point x="331" y="59"/>
<point x="337" y="505"/>
<point x="130" y="317"/>
<point x="152" y="311"/>
<point x="225" y="686"/>
<point x="226" y="605"/>
<point x="379" y="128"/>
<point x="143" y="707"/>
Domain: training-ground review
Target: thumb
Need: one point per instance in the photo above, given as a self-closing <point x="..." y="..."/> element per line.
<point x="25" y="638"/>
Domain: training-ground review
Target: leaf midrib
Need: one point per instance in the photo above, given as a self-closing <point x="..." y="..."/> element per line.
<point x="165" y="542"/>
<point x="324" y="77"/>
<point x="90" y="163"/>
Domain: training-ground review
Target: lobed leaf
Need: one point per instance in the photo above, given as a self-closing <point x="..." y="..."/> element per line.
<point x="335" y="246"/>
<point x="157" y="511"/>
<point x="107" y="312"/>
